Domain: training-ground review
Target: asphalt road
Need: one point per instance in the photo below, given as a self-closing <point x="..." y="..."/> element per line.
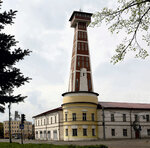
<point x="126" y="143"/>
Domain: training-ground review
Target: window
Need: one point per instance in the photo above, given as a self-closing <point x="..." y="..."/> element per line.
<point x="124" y="117"/>
<point x="148" y="132"/>
<point x="40" y="134"/>
<point x="113" y="132"/>
<point x="147" y="118"/>
<point x="78" y="63"/>
<point x="89" y="84"/>
<point x="82" y="46"/>
<point x="86" y="47"/>
<point x="47" y="120"/>
<point x="78" y="46"/>
<point x="44" y="134"/>
<point x="87" y="64"/>
<point x="77" y="83"/>
<point x="73" y="116"/>
<point x="74" y="132"/>
<point x="51" y="120"/>
<point x="55" y="119"/>
<point x="84" y="132"/>
<point x="92" y="115"/>
<point x="112" y="118"/>
<point x="84" y="116"/>
<point x="82" y="63"/>
<point x="93" y="132"/>
<point x="41" y="121"/>
<point x="66" y="132"/>
<point x="44" y="121"/>
<point x="82" y="58"/>
<point x="65" y="116"/>
<point x="136" y="117"/>
<point x="124" y="132"/>
<point x="79" y="34"/>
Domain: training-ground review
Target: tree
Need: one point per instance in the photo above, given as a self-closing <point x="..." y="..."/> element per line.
<point x="133" y="16"/>
<point x="10" y="76"/>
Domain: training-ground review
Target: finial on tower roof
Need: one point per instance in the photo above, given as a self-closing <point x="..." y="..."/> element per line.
<point x="80" y="10"/>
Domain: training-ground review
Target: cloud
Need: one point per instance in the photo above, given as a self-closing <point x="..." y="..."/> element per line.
<point x="43" y="27"/>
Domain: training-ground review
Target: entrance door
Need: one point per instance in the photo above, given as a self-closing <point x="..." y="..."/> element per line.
<point x="137" y="134"/>
<point x="48" y="135"/>
<point x="55" y="135"/>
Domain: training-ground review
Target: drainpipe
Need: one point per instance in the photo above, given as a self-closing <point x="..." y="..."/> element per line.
<point x="103" y="123"/>
<point x="59" y="123"/>
<point x="131" y="124"/>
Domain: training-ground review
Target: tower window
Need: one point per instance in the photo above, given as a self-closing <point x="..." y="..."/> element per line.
<point x="82" y="46"/>
<point x="86" y="47"/>
<point x="78" y="46"/>
<point x="78" y="63"/>
<point x="79" y="34"/>
<point x="82" y="63"/>
<point x="92" y="115"/>
<point x="77" y="83"/>
<point x="73" y="116"/>
<point x="66" y="116"/>
<point x="84" y="116"/>
<point x="87" y="64"/>
<point x="89" y="84"/>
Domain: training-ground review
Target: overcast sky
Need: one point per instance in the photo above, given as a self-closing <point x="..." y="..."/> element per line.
<point x="43" y="27"/>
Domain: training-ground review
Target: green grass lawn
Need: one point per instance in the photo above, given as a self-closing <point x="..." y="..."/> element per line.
<point x="17" y="145"/>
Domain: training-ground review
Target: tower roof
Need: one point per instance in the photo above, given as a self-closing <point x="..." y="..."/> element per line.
<point x="79" y="16"/>
<point x="79" y="12"/>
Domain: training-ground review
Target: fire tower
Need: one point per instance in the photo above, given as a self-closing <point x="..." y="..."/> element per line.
<point x="80" y="102"/>
<point x="80" y="73"/>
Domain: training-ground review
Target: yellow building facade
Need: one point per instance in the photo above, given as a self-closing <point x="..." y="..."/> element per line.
<point x="80" y="116"/>
<point x="16" y="131"/>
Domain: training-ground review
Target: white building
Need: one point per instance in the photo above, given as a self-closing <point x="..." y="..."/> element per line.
<point x="123" y="120"/>
<point x="48" y="125"/>
<point x="115" y="120"/>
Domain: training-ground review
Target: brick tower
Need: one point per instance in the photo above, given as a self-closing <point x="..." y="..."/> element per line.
<point x="80" y="102"/>
<point x="80" y="73"/>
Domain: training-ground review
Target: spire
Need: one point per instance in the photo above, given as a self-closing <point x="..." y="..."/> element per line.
<point x="80" y="72"/>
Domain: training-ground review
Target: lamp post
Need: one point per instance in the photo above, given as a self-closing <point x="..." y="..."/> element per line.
<point x="9" y="107"/>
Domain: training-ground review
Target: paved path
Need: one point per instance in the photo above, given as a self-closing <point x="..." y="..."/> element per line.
<point x="127" y="143"/>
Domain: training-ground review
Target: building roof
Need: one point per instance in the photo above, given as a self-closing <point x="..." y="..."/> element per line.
<point x="47" y="112"/>
<point x="123" y="105"/>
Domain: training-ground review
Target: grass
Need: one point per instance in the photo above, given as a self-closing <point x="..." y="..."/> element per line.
<point x="17" y="145"/>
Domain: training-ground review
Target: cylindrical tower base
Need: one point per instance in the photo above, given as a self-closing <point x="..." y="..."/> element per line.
<point x="80" y="116"/>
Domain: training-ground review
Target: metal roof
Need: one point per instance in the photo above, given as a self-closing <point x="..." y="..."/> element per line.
<point x="123" y="105"/>
<point x="47" y="112"/>
<point x="81" y="12"/>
